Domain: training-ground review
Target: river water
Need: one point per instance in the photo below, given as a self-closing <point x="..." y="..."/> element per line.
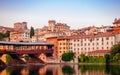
<point x="61" y="69"/>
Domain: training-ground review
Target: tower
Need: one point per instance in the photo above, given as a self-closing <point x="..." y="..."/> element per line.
<point x="51" y="25"/>
<point x="17" y="26"/>
<point x="24" y="25"/>
<point x="116" y="22"/>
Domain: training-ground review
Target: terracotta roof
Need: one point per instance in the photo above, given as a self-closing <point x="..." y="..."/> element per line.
<point x="100" y="51"/>
<point x="25" y="43"/>
<point x="107" y="34"/>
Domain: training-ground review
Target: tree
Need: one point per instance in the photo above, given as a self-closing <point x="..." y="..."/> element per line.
<point x="7" y="34"/>
<point x="115" y="52"/>
<point x="68" y="56"/>
<point x="8" y="58"/>
<point x="116" y="57"/>
<point x="1" y="36"/>
<point x="26" y="57"/>
<point x="107" y="58"/>
<point x="31" y="32"/>
<point x="83" y="58"/>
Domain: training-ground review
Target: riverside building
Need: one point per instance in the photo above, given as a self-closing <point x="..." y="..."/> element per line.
<point x="88" y="44"/>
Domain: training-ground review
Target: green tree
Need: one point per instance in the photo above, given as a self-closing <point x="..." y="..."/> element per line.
<point x="83" y="58"/>
<point x="116" y="57"/>
<point x="1" y="36"/>
<point x="68" y="56"/>
<point x="26" y="57"/>
<point x="31" y="32"/>
<point x="7" y="34"/>
<point x="107" y="58"/>
<point x="8" y="58"/>
<point x="115" y="52"/>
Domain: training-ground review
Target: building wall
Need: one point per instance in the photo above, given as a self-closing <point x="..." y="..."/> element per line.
<point x="63" y="46"/>
<point x="54" y="41"/>
<point x="20" y="26"/>
<point x="20" y="36"/>
<point x="84" y="44"/>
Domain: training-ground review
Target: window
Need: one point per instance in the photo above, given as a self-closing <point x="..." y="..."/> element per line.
<point x="97" y="43"/>
<point x="93" y="44"/>
<point x="60" y="51"/>
<point x="107" y="43"/>
<point x="107" y="38"/>
<point x="60" y="48"/>
<point x="102" y="39"/>
<point x="107" y="47"/>
<point x="69" y="43"/>
<point x="85" y="44"/>
<point x="74" y="40"/>
<point x="90" y="40"/>
<point x="97" y="39"/>
<point x="102" y="47"/>
<point x="111" y="43"/>
<point x="81" y="48"/>
<point x="97" y="48"/>
<point x="60" y="43"/>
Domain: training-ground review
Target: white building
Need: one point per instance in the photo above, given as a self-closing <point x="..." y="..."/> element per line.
<point x="17" y="36"/>
<point x="83" y="44"/>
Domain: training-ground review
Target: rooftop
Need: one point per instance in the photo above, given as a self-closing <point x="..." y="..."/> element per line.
<point x="100" y="51"/>
<point x="25" y="43"/>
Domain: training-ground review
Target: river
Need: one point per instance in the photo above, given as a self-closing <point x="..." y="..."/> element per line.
<point x="61" y="69"/>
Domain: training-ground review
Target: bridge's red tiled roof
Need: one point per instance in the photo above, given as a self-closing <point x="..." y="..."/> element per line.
<point x="100" y="51"/>
<point x="24" y="43"/>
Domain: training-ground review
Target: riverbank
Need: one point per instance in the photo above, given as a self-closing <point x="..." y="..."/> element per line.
<point x="86" y="63"/>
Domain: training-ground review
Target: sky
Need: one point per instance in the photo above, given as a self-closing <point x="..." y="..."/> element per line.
<point x="75" y="13"/>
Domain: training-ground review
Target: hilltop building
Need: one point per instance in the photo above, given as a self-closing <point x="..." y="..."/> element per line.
<point x="20" y="36"/>
<point x="52" y="30"/>
<point x="20" y="26"/>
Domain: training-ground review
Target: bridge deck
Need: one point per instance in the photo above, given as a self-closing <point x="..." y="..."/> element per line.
<point x="25" y="51"/>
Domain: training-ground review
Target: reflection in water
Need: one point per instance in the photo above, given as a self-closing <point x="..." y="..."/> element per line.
<point x="61" y="70"/>
<point x="49" y="72"/>
<point x="68" y="70"/>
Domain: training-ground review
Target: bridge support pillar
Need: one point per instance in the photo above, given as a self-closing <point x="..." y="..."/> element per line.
<point x="15" y="59"/>
<point x="34" y="59"/>
<point x="1" y="62"/>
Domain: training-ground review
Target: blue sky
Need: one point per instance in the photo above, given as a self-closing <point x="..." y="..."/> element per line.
<point x="76" y="13"/>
